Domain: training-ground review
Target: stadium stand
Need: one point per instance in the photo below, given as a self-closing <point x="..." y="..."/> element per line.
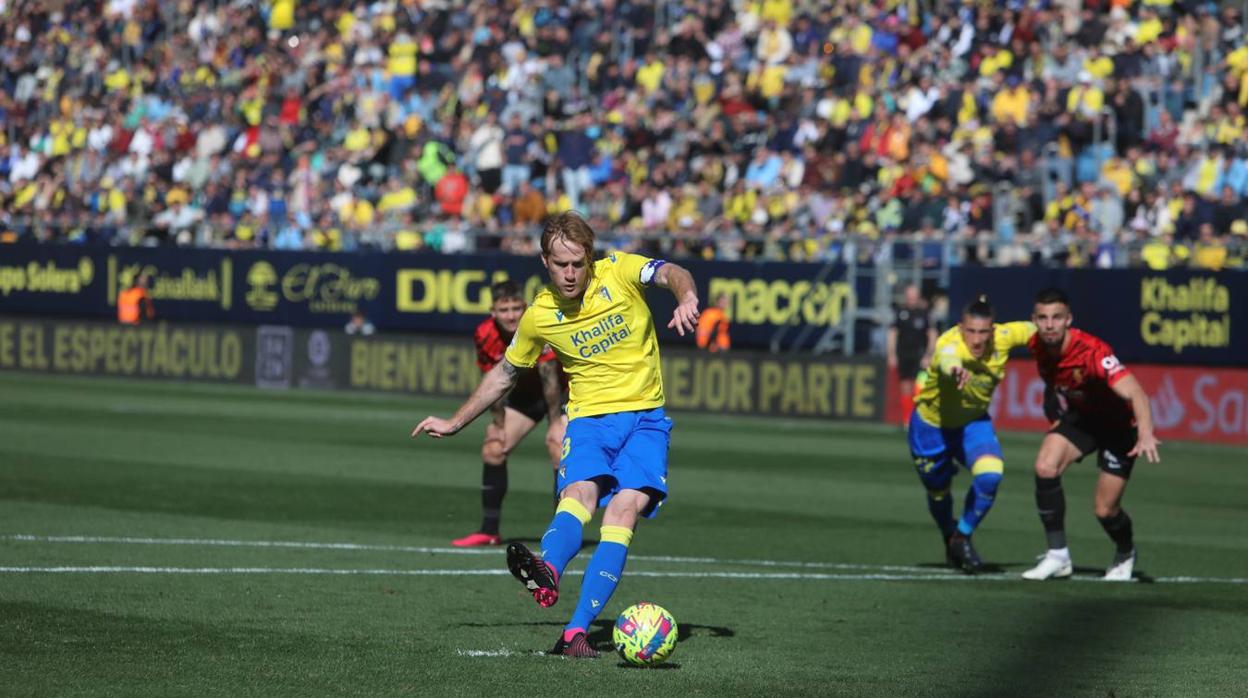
<point x="1060" y="132"/>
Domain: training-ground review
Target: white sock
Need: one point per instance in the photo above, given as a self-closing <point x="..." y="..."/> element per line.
<point x="1063" y="553"/>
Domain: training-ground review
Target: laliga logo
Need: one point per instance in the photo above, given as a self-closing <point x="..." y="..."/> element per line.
<point x="261" y="278"/>
<point x="1168" y="410"/>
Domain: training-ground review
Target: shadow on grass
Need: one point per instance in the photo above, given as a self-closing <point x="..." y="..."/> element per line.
<point x="1139" y="575"/>
<point x="599" y="634"/>
<point x="1076" y="639"/>
<point x="994" y="567"/>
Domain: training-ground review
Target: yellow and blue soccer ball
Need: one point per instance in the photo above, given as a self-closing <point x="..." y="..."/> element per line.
<point x="645" y="634"/>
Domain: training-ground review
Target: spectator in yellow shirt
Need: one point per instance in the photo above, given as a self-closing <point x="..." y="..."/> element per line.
<point x="1085" y="100"/>
<point x="1012" y="103"/>
<point x="1159" y="253"/>
<point x="1210" y="250"/>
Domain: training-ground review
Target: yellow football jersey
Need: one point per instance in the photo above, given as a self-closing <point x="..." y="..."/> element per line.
<point x="605" y="340"/>
<point x="939" y="401"/>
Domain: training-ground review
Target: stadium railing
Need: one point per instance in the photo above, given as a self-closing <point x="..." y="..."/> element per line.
<point x="923" y="255"/>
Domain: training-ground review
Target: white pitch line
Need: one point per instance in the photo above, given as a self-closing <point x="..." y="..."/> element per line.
<point x="792" y="576"/>
<point x="921" y="573"/>
<point x="206" y="542"/>
<point x="788" y="563"/>
<point x="497" y="653"/>
<point x="215" y="542"/>
<point x="111" y="569"/>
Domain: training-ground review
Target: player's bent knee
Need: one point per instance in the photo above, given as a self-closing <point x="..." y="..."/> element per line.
<point x="1048" y="469"/>
<point x="987" y="473"/>
<point x="625" y="508"/>
<point x="584" y="493"/>
<point x="494" y="453"/>
<point x="554" y="442"/>
<point x="624" y="518"/>
<point x="936" y="473"/>
<point x="1106" y="509"/>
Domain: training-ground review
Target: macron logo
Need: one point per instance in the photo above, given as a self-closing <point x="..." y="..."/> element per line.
<point x="559" y="315"/>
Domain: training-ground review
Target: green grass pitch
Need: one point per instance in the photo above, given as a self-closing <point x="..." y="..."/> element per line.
<point x="170" y="539"/>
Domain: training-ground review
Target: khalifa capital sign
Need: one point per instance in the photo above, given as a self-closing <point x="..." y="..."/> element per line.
<point x="1172" y="317"/>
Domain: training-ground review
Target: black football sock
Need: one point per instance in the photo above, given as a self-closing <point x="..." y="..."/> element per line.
<point x="493" y="489"/>
<point x="1118" y="527"/>
<point x="1051" y="503"/>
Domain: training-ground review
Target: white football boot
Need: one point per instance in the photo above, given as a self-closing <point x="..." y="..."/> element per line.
<point x="1122" y="568"/>
<point x="1052" y="565"/>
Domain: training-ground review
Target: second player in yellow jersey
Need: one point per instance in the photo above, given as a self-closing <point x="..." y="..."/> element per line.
<point x="951" y="425"/>
<point x="941" y="401"/>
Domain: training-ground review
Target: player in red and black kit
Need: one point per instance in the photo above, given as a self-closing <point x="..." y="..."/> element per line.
<point x="1097" y="407"/>
<point x="538" y="395"/>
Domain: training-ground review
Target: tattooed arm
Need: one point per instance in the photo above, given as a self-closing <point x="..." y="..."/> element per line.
<point x="497" y="383"/>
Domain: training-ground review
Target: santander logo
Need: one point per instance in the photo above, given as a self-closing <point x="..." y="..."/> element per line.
<point x="1168" y="410"/>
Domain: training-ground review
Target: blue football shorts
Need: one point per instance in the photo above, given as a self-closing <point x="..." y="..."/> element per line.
<point x="622" y="451"/>
<point x="965" y="444"/>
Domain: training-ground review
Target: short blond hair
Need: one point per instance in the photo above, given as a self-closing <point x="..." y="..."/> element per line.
<point x="572" y="229"/>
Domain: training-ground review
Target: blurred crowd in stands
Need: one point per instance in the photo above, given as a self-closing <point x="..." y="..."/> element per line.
<point x="1075" y="132"/>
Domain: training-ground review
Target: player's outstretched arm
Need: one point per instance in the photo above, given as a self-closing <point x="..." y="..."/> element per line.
<point x="1146" y="443"/>
<point x="679" y="281"/>
<point x="497" y="383"/>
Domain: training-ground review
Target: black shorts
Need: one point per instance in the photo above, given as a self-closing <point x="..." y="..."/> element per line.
<point x="530" y="403"/>
<point x="908" y="366"/>
<point x="1110" y="445"/>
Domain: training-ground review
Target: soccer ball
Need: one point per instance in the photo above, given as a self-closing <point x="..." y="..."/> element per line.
<point x="645" y="634"/>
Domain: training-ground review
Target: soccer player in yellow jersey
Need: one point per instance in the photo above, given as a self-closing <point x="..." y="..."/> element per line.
<point x="950" y="423"/>
<point x="594" y="315"/>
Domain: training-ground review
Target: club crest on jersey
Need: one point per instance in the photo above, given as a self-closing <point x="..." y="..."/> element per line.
<point x="1076" y="375"/>
<point x="605" y="293"/>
